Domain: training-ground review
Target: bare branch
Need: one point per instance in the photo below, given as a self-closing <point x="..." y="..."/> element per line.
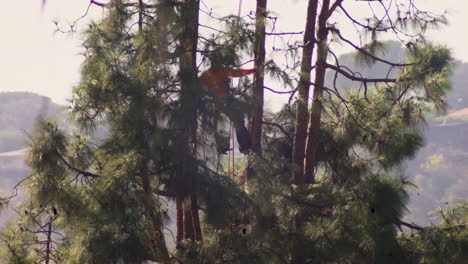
<point x="212" y="28"/>
<point x="164" y="193"/>
<point x="285" y="33"/>
<point x="412" y="226"/>
<point x="365" y="52"/>
<point x="359" y="79"/>
<point x="334" y="6"/>
<point x="278" y="92"/>
<point x="84" y="173"/>
<point x="362" y="25"/>
<point x="130" y="4"/>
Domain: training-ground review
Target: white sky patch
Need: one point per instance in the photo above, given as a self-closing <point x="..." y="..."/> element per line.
<point x="35" y="58"/>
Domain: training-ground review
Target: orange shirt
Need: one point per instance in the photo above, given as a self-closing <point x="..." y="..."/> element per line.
<point x="218" y="81"/>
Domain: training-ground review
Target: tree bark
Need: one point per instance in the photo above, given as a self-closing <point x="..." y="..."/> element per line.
<point x="163" y="14"/>
<point x="300" y="131"/>
<point x="195" y="218"/>
<point x="180" y="219"/>
<point x="188" y="219"/>
<point x="316" y="111"/>
<point x="258" y="94"/>
<point x="158" y="243"/>
<point x="189" y="100"/>
<point x="156" y="233"/>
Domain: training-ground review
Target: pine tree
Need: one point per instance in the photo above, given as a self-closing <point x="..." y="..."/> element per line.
<point x="109" y="197"/>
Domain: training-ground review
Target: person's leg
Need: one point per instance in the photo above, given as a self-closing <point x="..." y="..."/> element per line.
<point x="229" y="107"/>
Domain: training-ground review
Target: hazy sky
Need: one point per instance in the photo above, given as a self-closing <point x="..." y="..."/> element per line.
<point x="35" y="58"/>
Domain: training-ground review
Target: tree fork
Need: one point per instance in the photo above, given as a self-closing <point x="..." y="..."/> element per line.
<point x="300" y="131"/>
<point x="316" y="111"/>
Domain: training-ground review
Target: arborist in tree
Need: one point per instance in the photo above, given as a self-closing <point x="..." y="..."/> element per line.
<point x="216" y="81"/>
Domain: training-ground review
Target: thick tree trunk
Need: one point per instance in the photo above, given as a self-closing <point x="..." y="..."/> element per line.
<point x="163" y="14"/>
<point x="188" y="227"/>
<point x="189" y="99"/>
<point x="300" y="132"/>
<point x="180" y="219"/>
<point x="259" y="52"/>
<point x="195" y="218"/>
<point x="188" y="219"/>
<point x="158" y="243"/>
<point x="316" y="111"/>
<point x="155" y="223"/>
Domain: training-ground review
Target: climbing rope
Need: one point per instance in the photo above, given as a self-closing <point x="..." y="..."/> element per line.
<point x="231" y="157"/>
<point x="233" y="151"/>
<point x="239" y="9"/>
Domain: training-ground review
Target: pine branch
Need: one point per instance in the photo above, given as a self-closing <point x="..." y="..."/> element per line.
<point x="82" y="172"/>
<point x="360" y="79"/>
<point x="420" y="228"/>
<point x="412" y="226"/>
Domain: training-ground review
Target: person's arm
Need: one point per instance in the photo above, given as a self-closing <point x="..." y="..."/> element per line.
<point x="240" y="72"/>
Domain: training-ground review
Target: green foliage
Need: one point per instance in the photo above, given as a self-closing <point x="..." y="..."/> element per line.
<point x="445" y="243"/>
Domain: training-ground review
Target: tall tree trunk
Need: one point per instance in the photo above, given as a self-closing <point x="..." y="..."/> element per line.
<point x="188" y="219"/>
<point x="189" y="100"/>
<point x="179" y="218"/>
<point x="195" y="218"/>
<point x="300" y="132"/>
<point x="156" y="233"/>
<point x="163" y="14"/>
<point x="158" y="243"/>
<point x="316" y="111"/>
<point x="259" y="53"/>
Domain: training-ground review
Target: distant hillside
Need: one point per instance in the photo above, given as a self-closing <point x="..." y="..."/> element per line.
<point x="19" y="112"/>
<point x="439" y="170"/>
<point x="393" y="51"/>
<point x="12" y="170"/>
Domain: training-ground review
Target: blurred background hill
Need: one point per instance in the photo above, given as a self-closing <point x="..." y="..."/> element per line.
<point x="19" y="112"/>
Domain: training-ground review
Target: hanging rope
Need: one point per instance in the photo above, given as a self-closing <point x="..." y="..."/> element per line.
<point x="231" y="158"/>
<point x="233" y="150"/>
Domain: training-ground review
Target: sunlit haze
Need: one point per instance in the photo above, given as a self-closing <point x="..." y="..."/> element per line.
<point x="36" y="58"/>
